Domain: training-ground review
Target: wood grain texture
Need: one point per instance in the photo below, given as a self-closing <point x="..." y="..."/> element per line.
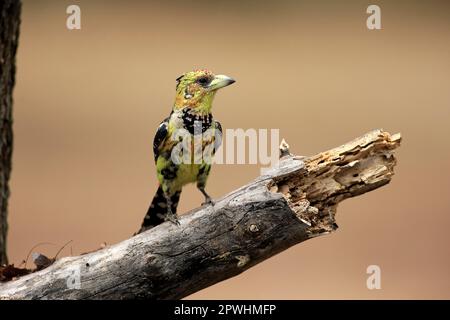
<point x="291" y="203"/>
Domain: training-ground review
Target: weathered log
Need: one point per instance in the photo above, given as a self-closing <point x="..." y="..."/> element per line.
<point x="291" y="203"/>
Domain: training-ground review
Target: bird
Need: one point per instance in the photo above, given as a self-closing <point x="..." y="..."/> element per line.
<point x="183" y="142"/>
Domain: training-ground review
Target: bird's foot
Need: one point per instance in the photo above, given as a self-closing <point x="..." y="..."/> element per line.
<point x="172" y="217"/>
<point x="208" y="201"/>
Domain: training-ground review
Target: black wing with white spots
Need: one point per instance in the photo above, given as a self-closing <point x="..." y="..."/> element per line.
<point x="218" y="136"/>
<point x="160" y="135"/>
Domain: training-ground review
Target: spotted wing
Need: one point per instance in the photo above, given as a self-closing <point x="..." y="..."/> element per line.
<point x="218" y="136"/>
<point x="160" y="136"/>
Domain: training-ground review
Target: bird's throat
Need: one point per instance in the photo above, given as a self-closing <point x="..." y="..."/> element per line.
<point x="200" y="105"/>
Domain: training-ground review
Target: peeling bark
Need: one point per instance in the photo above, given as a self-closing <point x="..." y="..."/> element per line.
<point x="291" y="203"/>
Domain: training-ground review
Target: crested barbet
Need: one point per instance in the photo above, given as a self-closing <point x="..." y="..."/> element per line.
<point x="188" y="123"/>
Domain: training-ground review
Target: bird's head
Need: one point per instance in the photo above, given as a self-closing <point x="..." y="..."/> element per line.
<point x="196" y="90"/>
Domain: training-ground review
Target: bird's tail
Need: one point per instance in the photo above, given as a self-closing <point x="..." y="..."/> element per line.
<point x="157" y="211"/>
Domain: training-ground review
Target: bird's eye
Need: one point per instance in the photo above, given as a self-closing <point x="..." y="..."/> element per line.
<point x="203" y="80"/>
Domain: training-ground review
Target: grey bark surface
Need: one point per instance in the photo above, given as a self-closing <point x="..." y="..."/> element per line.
<point x="9" y="34"/>
<point x="293" y="202"/>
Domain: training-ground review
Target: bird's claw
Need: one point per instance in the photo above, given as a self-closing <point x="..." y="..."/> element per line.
<point x="172" y="218"/>
<point x="208" y="201"/>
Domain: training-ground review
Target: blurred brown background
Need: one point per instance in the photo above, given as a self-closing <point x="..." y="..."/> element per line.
<point x="88" y="102"/>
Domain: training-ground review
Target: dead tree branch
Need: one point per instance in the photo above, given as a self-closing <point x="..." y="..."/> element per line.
<point x="293" y="202"/>
<point x="9" y="36"/>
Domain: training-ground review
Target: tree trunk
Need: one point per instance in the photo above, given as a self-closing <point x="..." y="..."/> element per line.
<point x="9" y="34"/>
<point x="291" y="203"/>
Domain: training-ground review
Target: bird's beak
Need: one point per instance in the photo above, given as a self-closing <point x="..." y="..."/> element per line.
<point x="220" y="81"/>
